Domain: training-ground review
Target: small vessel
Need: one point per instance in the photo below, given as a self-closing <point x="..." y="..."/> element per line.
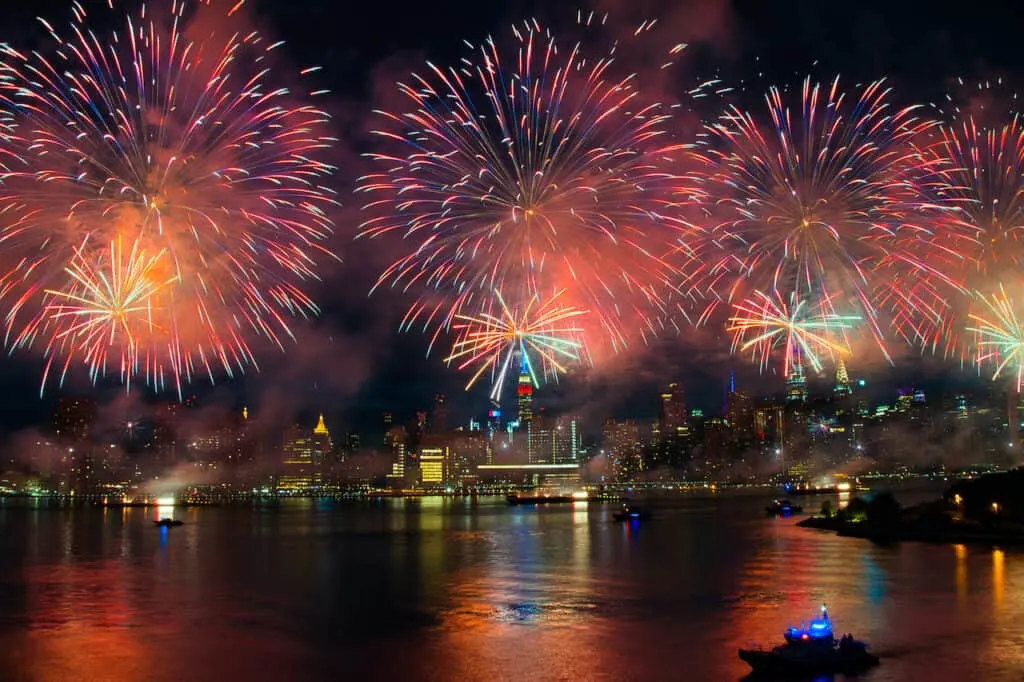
<point x="782" y="508"/>
<point x="631" y="512"/>
<point x="167" y="523"/>
<point x="813" y="650"/>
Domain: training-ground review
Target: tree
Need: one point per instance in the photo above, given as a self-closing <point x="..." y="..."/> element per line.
<point x="883" y="509"/>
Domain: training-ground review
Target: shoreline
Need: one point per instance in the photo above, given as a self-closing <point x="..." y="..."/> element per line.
<point x="965" y="534"/>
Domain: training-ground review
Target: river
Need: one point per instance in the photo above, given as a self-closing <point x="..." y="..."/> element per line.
<point x="434" y="589"/>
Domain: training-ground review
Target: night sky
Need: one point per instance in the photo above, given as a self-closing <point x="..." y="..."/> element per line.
<point x="353" y="364"/>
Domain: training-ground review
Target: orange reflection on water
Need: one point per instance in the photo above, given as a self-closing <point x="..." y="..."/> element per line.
<point x="960" y="551"/>
<point x="997" y="578"/>
<point x="82" y="622"/>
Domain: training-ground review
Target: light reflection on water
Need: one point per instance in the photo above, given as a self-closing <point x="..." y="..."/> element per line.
<point x="464" y="589"/>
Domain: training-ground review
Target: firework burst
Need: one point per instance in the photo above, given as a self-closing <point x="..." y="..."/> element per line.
<point x="109" y="307"/>
<point x="999" y="336"/>
<point x="818" y="204"/>
<point x="980" y="235"/>
<point x="543" y="333"/>
<point x="766" y="322"/>
<point x="170" y="138"/>
<point x="530" y="169"/>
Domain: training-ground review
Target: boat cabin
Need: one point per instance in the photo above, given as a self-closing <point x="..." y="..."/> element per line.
<point x="818" y="631"/>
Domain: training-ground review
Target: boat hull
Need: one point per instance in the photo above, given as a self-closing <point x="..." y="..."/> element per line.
<point x="774" y="663"/>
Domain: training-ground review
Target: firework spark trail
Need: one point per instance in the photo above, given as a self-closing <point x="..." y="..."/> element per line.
<point x="545" y="328"/>
<point x="110" y="306"/>
<point x="819" y="204"/>
<point x="530" y="170"/>
<point x="999" y="335"/>
<point x="765" y="322"/>
<point x="177" y="144"/>
<point x="979" y="240"/>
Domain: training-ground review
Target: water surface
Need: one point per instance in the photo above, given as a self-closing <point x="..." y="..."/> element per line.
<point x="474" y="590"/>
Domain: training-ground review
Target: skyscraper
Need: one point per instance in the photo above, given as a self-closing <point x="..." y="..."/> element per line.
<point x="843" y="387"/>
<point x="395" y="442"/>
<point x="524" y="394"/>
<point x="796" y="382"/>
<point x="297" y="472"/>
<point x="322" y="445"/>
<point x="672" y="422"/>
<point x="739" y="413"/>
<point x="623" y="449"/>
<point x="553" y="440"/>
<point x="433" y="458"/>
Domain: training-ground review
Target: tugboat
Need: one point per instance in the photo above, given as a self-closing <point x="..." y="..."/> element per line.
<point x="168" y="523"/>
<point x="631" y="513"/>
<point x="812" y="651"/>
<point x="782" y="508"/>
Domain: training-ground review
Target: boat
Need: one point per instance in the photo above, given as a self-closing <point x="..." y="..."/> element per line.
<point x="167" y="523"/>
<point x="534" y="499"/>
<point x="813" y="650"/>
<point x="631" y="513"/>
<point x="782" y="508"/>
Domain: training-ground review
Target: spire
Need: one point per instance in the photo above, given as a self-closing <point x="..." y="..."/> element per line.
<point x="796" y="382"/>
<point x="842" y="379"/>
<point x="321" y="428"/>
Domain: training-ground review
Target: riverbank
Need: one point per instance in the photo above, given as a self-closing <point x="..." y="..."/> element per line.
<point x="951" y="531"/>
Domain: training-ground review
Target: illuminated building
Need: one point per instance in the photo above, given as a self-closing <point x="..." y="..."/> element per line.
<point x="395" y="442"/>
<point x="673" y="449"/>
<point x="796" y="382"/>
<point x="623" y="449"/>
<point x="432" y="465"/>
<point x="768" y="423"/>
<point x="298" y="471"/>
<point x="553" y="440"/>
<point x="524" y="394"/>
<point x="713" y="450"/>
<point x="494" y="419"/>
<point x="843" y="387"/>
<point x="467" y="450"/>
<point x="321" y="440"/>
<point x="672" y="422"/>
<point x="739" y="413"/>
